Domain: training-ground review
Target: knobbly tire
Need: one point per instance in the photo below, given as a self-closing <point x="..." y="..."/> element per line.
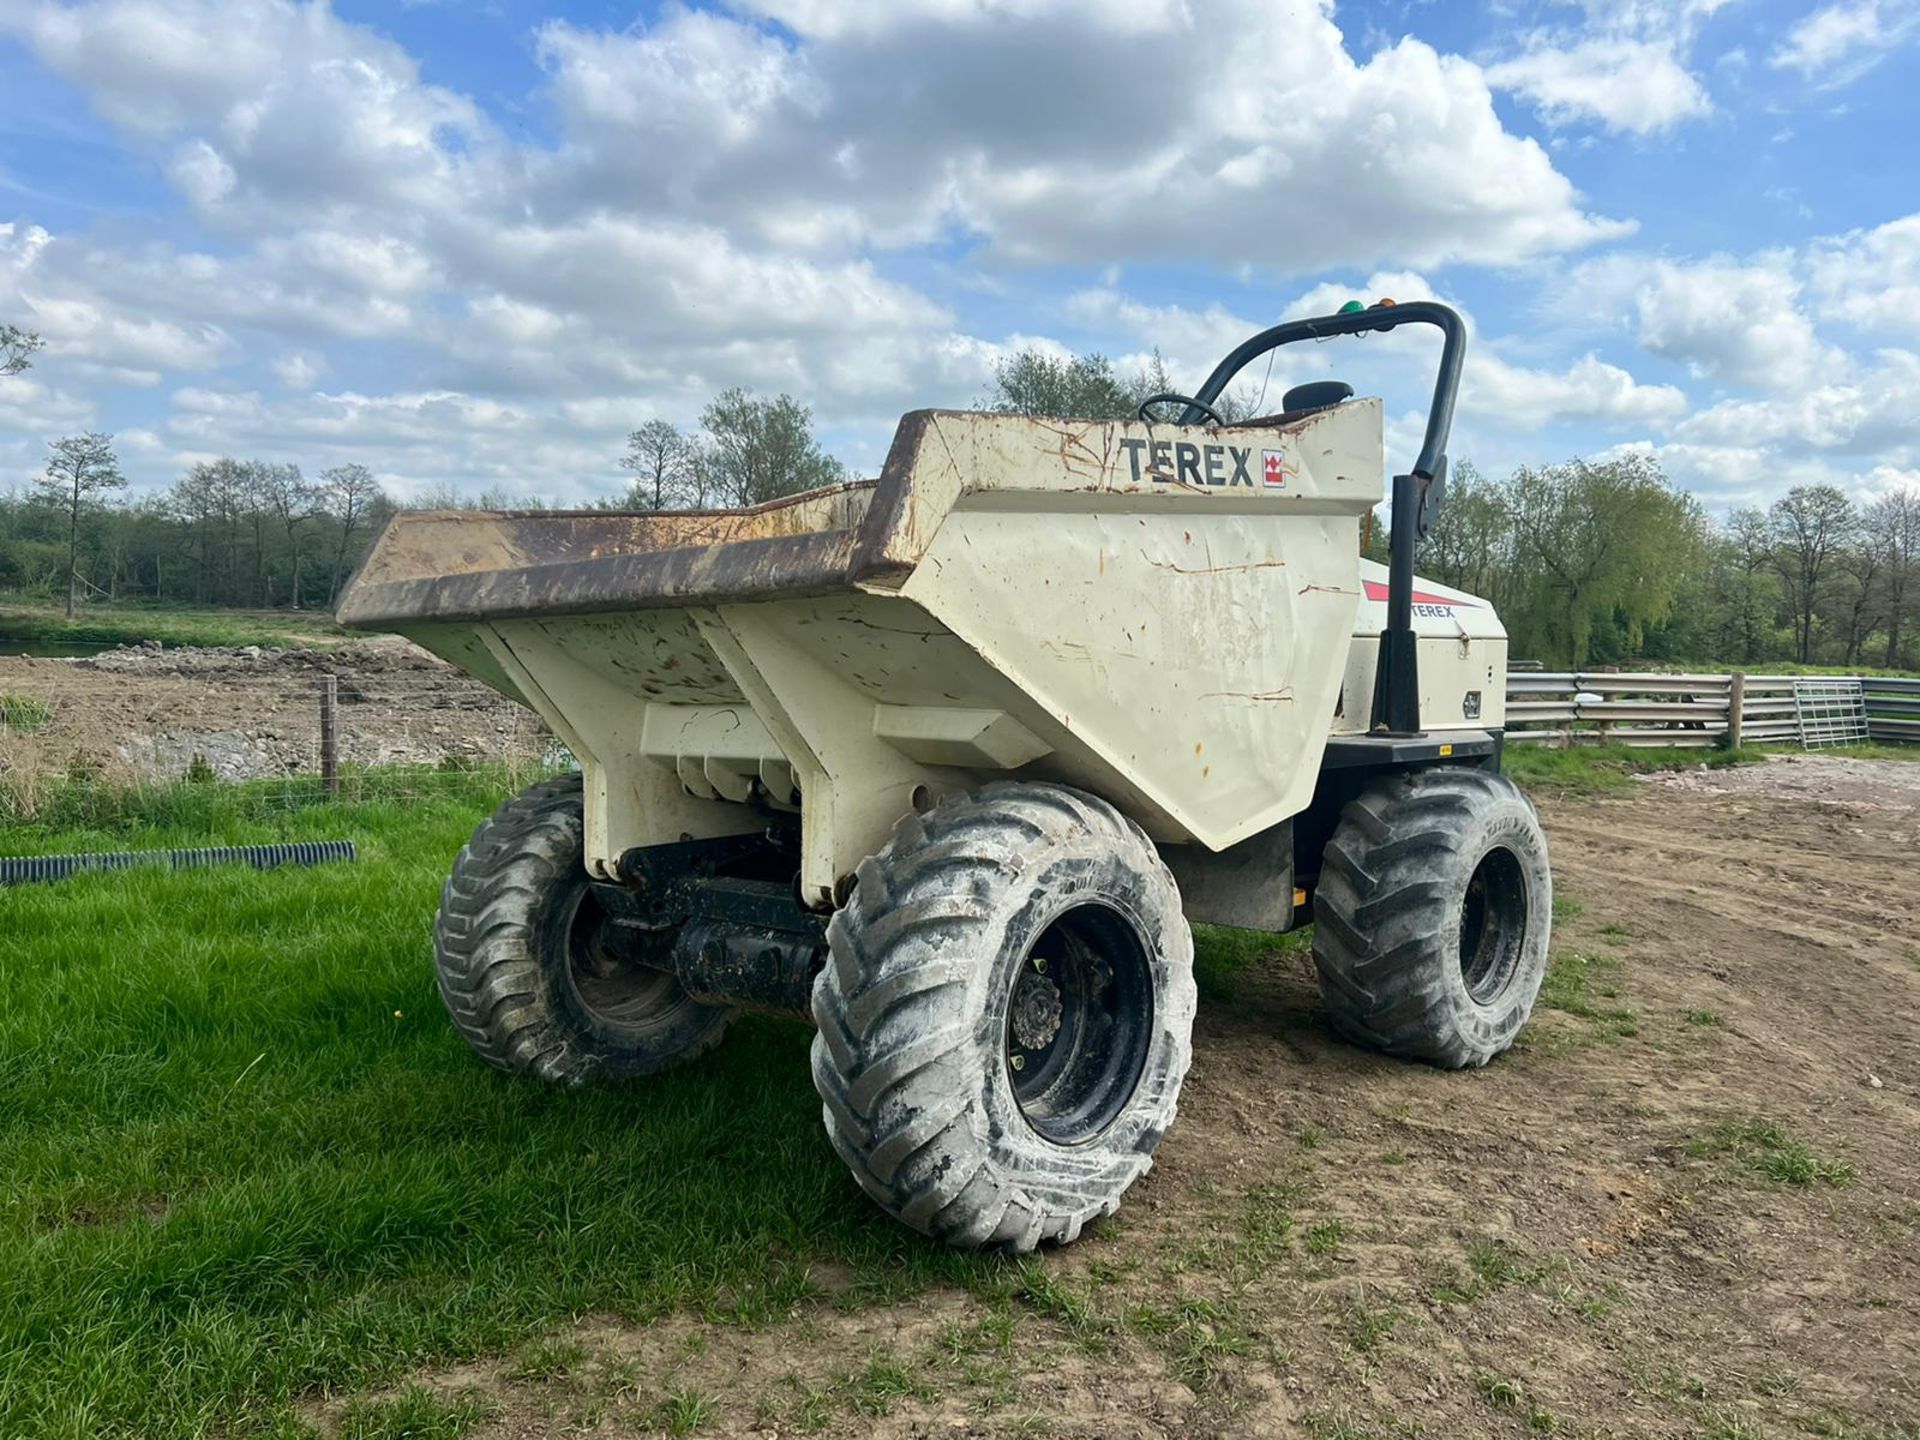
<point x="1432" y="915"/>
<point x="1005" y="1016"/>
<point x="523" y="966"/>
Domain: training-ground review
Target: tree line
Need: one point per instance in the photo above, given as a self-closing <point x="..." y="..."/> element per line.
<point x="1587" y="562"/>
<point x="1597" y="562"/>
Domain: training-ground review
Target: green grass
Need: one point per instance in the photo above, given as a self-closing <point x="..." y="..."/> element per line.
<point x="1772" y="1153"/>
<point x="44" y="630"/>
<point x="248" y="1161"/>
<point x="23" y="713"/>
<point x="1222" y="955"/>
<point x="1581" y="984"/>
<point x="54" y="815"/>
<point x="1596" y="769"/>
<point x="683" y="1412"/>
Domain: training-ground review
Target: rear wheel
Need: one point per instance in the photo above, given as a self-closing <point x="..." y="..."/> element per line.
<point x="1432" y="916"/>
<point x="1005" y="1016"/>
<point x="524" y="960"/>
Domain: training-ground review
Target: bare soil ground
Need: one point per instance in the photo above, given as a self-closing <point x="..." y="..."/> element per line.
<point x="1833" y="780"/>
<point x="1688" y="1204"/>
<point x="142" y="712"/>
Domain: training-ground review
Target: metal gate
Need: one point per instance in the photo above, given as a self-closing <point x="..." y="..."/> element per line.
<point x="1830" y="712"/>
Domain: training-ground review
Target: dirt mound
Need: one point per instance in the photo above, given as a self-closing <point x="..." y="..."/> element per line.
<point x="144" y="712"/>
<point x="383" y="654"/>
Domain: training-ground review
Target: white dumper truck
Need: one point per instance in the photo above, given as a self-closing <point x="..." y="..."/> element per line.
<point x="947" y="762"/>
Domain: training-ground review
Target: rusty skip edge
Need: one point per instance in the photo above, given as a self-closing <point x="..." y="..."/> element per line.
<point x="880" y="549"/>
<point x="805" y="563"/>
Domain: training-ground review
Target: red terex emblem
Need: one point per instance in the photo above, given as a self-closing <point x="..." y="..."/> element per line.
<point x="1271" y="468"/>
<point x="1376" y="591"/>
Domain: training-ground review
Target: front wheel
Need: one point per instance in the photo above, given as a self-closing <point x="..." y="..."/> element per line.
<point x="1005" y="1016"/>
<point x="1432" y="915"/>
<point x="525" y="968"/>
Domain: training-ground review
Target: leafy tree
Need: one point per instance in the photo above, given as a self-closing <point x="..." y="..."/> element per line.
<point x="669" y="473"/>
<point x="1086" y="387"/>
<point x="80" y="467"/>
<point x="1470" y="545"/>
<point x="1812" y="527"/>
<point x="1081" y="387"/>
<point x="17" y="349"/>
<point x="759" y="450"/>
<point x="1599" y="543"/>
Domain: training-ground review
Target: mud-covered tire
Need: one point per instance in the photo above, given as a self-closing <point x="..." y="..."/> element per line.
<point x="518" y="969"/>
<point x="917" y="1023"/>
<point x="1432" y="915"/>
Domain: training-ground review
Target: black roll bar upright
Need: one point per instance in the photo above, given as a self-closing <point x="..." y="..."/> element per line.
<point x="1396" y="686"/>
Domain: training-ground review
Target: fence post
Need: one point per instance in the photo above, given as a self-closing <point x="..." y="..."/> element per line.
<point x="1736" y="706"/>
<point x="329" y="735"/>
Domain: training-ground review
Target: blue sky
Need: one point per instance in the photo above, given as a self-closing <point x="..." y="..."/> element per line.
<point x="472" y="245"/>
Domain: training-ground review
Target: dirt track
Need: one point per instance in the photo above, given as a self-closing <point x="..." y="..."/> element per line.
<point x="1688" y="1204"/>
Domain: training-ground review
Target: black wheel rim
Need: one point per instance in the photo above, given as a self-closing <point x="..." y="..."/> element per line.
<point x="1493" y="924"/>
<point x="614" y="989"/>
<point x="1079" y="1023"/>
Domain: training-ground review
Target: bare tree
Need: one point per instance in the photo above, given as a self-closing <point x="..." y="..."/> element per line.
<point x="1893" y="528"/>
<point x="666" y="466"/>
<point x="350" y="494"/>
<point x="292" y="501"/>
<point x="1864" y="564"/>
<point x="80" y="467"/>
<point x="17" y="349"/>
<point x="1812" y="525"/>
<point x="1746" y="553"/>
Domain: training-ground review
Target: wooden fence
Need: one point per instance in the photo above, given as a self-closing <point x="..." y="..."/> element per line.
<point x="1568" y="708"/>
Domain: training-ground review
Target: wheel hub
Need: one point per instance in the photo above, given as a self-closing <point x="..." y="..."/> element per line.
<point x="1036" y="1011"/>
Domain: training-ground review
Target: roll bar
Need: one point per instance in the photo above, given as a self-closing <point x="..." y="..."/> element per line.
<point x="1446" y="385"/>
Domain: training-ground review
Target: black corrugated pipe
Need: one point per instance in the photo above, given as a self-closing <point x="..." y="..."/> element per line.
<point x="27" y="869"/>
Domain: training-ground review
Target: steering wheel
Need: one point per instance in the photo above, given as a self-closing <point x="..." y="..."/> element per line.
<point x="1172" y="399"/>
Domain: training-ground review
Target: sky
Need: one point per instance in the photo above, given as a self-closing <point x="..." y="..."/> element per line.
<point x="472" y="245"/>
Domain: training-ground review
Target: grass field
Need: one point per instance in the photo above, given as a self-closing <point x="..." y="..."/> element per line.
<point x="30" y="628"/>
<point x="1587" y="769"/>
<point x="248" y="1161"/>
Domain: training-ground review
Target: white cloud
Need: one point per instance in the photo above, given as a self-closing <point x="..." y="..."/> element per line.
<point x="720" y="205"/>
<point x="298" y="369"/>
<point x="1024" y="123"/>
<point x="1735" y="321"/>
<point x="1841" y="41"/>
<point x="1873" y="414"/>
<point x="1636" y="86"/>
<point x="1871" y="278"/>
<point x="1624" y="65"/>
<point x="752" y="195"/>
